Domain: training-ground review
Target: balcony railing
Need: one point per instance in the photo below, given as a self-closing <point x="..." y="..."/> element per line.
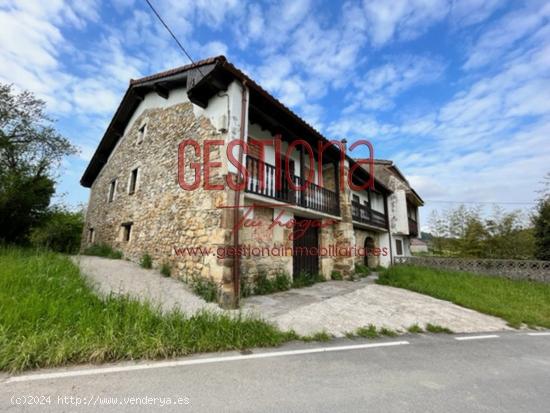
<point x="365" y="215"/>
<point x="413" y="227"/>
<point x="312" y="197"/>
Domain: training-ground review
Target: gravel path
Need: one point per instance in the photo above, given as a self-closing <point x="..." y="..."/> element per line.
<point x="336" y="307"/>
<point x="124" y="277"/>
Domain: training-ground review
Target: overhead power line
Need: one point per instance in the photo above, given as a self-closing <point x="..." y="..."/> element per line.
<point x="171" y="33"/>
<point x="482" y="202"/>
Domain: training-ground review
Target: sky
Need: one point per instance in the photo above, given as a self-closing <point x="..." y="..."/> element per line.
<point x="457" y="93"/>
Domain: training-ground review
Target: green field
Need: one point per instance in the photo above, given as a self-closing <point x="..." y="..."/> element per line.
<point x="49" y="316"/>
<point x="518" y="302"/>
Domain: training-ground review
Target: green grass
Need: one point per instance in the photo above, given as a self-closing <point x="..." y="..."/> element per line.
<point x="49" y="316"/>
<point x="319" y="336"/>
<point x="366" y="332"/>
<point x="336" y="276"/>
<point x="265" y="285"/>
<point x="415" y="328"/>
<point x="387" y="332"/>
<point x="146" y="261"/>
<point x="434" y="328"/>
<point x="362" y="270"/>
<point x="102" y="250"/>
<point x="165" y="269"/>
<point x="207" y="289"/>
<point x="306" y="279"/>
<point x="517" y="302"/>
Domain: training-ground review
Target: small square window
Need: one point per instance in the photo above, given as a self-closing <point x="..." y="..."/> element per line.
<point x="112" y="189"/>
<point x="133" y="182"/>
<point x="91" y="235"/>
<point x="398" y="247"/>
<point x="126" y="231"/>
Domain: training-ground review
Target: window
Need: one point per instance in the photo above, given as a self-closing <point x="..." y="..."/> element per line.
<point x="91" y="235"/>
<point x="133" y="182"/>
<point x="112" y="189"/>
<point x="398" y="247"/>
<point x="142" y="131"/>
<point x="126" y="231"/>
<point x="355" y="198"/>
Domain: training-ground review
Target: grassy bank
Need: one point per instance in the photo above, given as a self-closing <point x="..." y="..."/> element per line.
<point x="515" y="301"/>
<point x="49" y="316"/>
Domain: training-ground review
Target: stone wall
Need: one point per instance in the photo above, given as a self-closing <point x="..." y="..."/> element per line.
<point x="360" y="237"/>
<point x="263" y="240"/>
<point x="164" y="216"/>
<point x="514" y="269"/>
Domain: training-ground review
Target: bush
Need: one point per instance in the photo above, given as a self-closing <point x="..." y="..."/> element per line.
<point x="60" y="231"/>
<point x="102" y="250"/>
<point x="282" y="282"/>
<point x="265" y="285"/>
<point x="305" y="279"/>
<point x="362" y="270"/>
<point x="204" y="288"/>
<point x="336" y="276"/>
<point x="146" y="261"/>
<point x="165" y="269"/>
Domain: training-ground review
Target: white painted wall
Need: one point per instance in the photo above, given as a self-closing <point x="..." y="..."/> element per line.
<point x="399" y="222"/>
<point x="384" y="240"/>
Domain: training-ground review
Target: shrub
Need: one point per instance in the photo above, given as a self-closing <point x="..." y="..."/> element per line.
<point x="165" y="269"/>
<point x="102" y="250"/>
<point x="146" y="261"/>
<point x="305" y="279"/>
<point x="362" y="270"/>
<point x="282" y="282"/>
<point x="204" y="288"/>
<point x="265" y="285"/>
<point x="336" y="276"/>
<point x="59" y="231"/>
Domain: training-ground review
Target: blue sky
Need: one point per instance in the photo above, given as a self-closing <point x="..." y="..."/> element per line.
<point x="457" y="93"/>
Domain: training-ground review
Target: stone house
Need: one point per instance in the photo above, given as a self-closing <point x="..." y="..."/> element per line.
<point x="165" y="180"/>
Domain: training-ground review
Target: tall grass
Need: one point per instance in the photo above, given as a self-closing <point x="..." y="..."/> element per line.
<point x="518" y="302"/>
<point x="49" y="316"/>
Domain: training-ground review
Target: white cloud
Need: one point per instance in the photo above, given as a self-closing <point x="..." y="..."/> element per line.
<point x="380" y="85"/>
<point x="402" y="19"/>
<point x="503" y="35"/>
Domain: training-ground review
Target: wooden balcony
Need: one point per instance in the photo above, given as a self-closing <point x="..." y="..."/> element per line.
<point x="313" y="197"/>
<point x="413" y="227"/>
<point x="365" y="215"/>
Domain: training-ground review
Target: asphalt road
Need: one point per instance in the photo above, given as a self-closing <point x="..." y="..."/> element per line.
<point x="425" y="373"/>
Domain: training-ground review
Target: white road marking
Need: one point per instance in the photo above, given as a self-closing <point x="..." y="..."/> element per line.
<point x="539" y="334"/>
<point x="164" y="364"/>
<point x="476" y="337"/>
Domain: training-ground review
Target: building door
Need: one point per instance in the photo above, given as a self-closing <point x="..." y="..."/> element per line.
<point x="305" y="258"/>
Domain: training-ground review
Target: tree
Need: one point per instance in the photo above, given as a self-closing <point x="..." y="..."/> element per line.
<point x="541" y="222"/>
<point x="60" y="231"/>
<point x="30" y="150"/>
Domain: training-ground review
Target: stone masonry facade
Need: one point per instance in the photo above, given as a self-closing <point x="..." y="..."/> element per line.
<point x="163" y="216"/>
